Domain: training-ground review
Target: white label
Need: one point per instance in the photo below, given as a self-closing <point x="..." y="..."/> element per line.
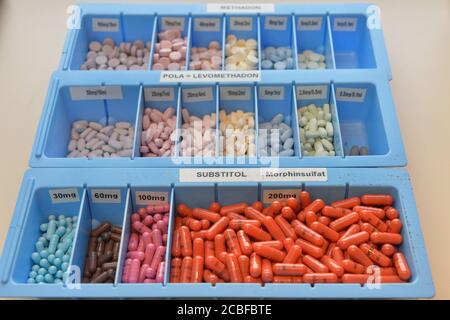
<point x="64" y="195"/>
<point x="271" y="93"/>
<point x="312" y="92"/>
<point x="207" y="24"/>
<point x="253" y="175"/>
<point x="197" y="94"/>
<point x="159" y="94"/>
<point x="350" y="94"/>
<point x="105" y="25"/>
<point x="144" y="198"/>
<point x="106" y="196"/>
<point x="235" y="93"/>
<point x="345" y="24"/>
<point x="210" y="76"/>
<point x="172" y="23"/>
<point x="309" y="23"/>
<point x="270" y="195"/>
<point x="96" y="93"/>
<point x="275" y="23"/>
<point x="241" y="23"/>
<point x="240" y="7"/>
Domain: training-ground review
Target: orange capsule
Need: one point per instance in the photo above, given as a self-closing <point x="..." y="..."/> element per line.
<point x="293" y="254"/>
<point x="236" y="208"/>
<point x="258" y="205"/>
<point x="320" y="278"/>
<point x="401" y="265"/>
<point x="178" y="223"/>
<point x="235" y="216"/>
<point x="271" y="243"/>
<point x="373" y="220"/>
<point x="250" y="279"/>
<point x="268" y="212"/>
<point x="309" y="248"/>
<point x="352" y="266"/>
<point x="183" y="210"/>
<point x="324" y="220"/>
<point x="269" y="253"/>
<point x="288" y="269"/>
<point x="356" y="254"/>
<point x="314" y="264"/>
<point x="256" y="233"/>
<point x="217" y="228"/>
<point x="377" y="200"/>
<point x="354" y="239"/>
<point x="389" y="271"/>
<point x="388" y="249"/>
<point x="386" y="237"/>
<point x="293" y="203"/>
<point x="325" y="231"/>
<point x="273" y="228"/>
<point x="232" y="264"/>
<point x="345" y="221"/>
<point x="392" y="213"/>
<point x="332" y="265"/>
<point x="315" y="206"/>
<point x="330" y="249"/>
<point x="205" y="224"/>
<point x="186" y="269"/>
<point x="288" y="243"/>
<point x="332" y="212"/>
<point x="219" y="247"/>
<point x="232" y="242"/>
<point x="390" y="279"/>
<point x="266" y="271"/>
<point x="310" y="217"/>
<point x="244" y="242"/>
<point x="375" y="255"/>
<point x="355" y="278"/>
<point x="200" y="214"/>
<point x="378" y="212"/>
<point x="214" y="264"/>
<point x="210" y="277"/>
<point x="301" y="216"/>
<point x="354" y="228"/>
<point x="276" y="206"/>
<point x="253" y="214"/>
<point x="285" y="227"/>
<point x="193" y="224"/>
<point x="395" y="226"/>
<point x="214" y="207"/>
<point x="244" y="265"/>
<point x="198" y="234"/>
<point x="368" y="227"/>
<point x="224" y="276"/>
<point x="255" y="265"/>
<point x="305" y="199"/>
<point x="175" y="270"/>
<point x="237" y="224"/>
<point x="337" y="255"/>
<point x="307" y="233"/>
<point x="287" y="213"/>
<point x="287" y="279"/>
<point x="197" y="270"/>
<point x="198" y="247"/>
<point x="209" y="248"/>
<point x="347" y="203"/>
<point x="185" y="241"/>
<point x="176" y="249"/>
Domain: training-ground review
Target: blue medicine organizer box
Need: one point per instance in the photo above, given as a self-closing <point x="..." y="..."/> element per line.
<point x="355" y="84"/>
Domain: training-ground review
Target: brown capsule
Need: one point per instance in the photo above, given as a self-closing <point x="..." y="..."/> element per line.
<point x="105" y="226"/>
<point x="109" y="246"/>
<point x="116" y="229"/>
<point x="115" y="236"/>
<point x="97" y="273"/>
<point x="116" y="248"/>
<point x="106" y="236"/>
<point x="101" y="278"/>
<point x="92" y="262"/>
<point x="92" y="244"/>
<point x="109" y="265"/>
<point x="106" y="257"/>
<point x="100" y="246"/>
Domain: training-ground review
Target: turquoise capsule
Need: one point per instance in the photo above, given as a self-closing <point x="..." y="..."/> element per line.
<point x="61" y="217"/>
<point x="53" y="243"/>
<point x="61" y="231"/>
<point x="31" y="280"/>
<point x="59" y="274"/>
<point x="39" y="278"/>
<point x="51" y="228"/>
<point x="51" y="258"/>
<point x="65" y="246"/>
<point x="36" y="257"/>
<point x="32" y="274"/>
<point x="61" y="223"/>
<point x="64" y="266"/>
<point x="43" y="240"/>
<point x="66" y="258"/>
<point x="52" y="270"/>
<point x="51" y="217"/>
<point x="57" y="262"/>
<point x="39" y="246"/>
<point x="35" y="267"/>
<point x="75" y="219"/>
<point x="44" y="253"/>
<point x="42" y="271"/>
<point x="68" y="220"/>
<point x="57" y="281"/>
<point x="43" y="227"/>
<point x="59" y="253"/>
<point x="44" y="263"/>
<point x="48" y="278"/>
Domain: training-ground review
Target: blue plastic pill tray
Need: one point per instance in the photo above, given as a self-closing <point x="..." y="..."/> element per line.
<point x="355" y="84"/>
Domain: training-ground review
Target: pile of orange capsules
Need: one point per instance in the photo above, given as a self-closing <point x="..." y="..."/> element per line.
<point x="293" y="241"/>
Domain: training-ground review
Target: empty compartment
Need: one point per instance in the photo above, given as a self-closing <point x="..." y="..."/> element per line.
<point x="158" y="121"/>
<point x="314" y="47"/>
<point x="237" y="122"/>
<point x="361" y="121"/>
<point x="113" y="42"/>
<point x="277" y="43"/>
<point x="199" y="121"/>
<point x="352" y="43"/>
<point x="206" y="43"/>
<point x="144" y="252"/>
<point x="277" y="119"/>
<point x="242" y="43"/>
<point x="92" y="121"/>
<point x="170" y="45"/>
<point x="318" y="121"/>
<point x="44" y="249"/>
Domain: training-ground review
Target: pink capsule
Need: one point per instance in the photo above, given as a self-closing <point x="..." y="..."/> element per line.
<point x="157" y="237"/>
<point x="149" y="253"/>
<point x="142" y="275"/>
<point x="147" y="238"/>
<point x="148" y="221"/>
<point x="136" y="255"/>
<point x="158" y="257"/>
<point x="126" y="271"/>
<point x="162" y="226"/>
<point x="157" y="217"/>
<point x="147" y="280"/>
<point x="160" y="272"/>
<point x="134" y="271"/>
<point x="135" y="217"/>
<point x="150" y="273"/>
<point x="141" y="246"/>
<point x="133" y="242"/>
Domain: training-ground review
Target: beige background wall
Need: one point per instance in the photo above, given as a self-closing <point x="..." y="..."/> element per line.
<point x="418" y="40"/>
